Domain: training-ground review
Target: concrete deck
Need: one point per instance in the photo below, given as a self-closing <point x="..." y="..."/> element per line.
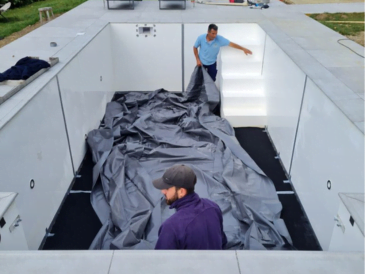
<point x="335" y="69"/>
<point x="213" y="262"/>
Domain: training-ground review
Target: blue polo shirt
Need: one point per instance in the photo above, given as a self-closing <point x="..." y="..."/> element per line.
<point x="208" y="51"/>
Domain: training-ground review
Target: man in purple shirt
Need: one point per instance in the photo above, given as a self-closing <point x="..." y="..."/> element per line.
<point x="209" y="45"/>
<point x="197" y="223"/>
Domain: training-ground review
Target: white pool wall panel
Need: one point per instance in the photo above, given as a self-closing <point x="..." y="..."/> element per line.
<point x="147" y="63"/>
<point x="86" y="85"/>
<point x="283" y="85"/>
<point x="34" y="146"/>
<point x="328" y="147"/>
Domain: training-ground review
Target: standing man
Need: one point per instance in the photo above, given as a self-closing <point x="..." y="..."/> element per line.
<point x="197" y="223"/>
<point x="210" y="44"/>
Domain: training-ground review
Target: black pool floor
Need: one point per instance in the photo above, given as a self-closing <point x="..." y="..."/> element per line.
<point x="77" y="224"/>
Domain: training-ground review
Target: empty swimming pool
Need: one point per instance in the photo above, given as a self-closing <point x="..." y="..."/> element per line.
<point x="43" y="143"/>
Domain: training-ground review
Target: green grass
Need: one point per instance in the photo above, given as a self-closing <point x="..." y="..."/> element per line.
<point x="20" y="18"/>
<point x="343" y="28"/>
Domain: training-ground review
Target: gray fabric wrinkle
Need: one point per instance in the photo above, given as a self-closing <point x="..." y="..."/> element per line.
<point x="142" y="135"/>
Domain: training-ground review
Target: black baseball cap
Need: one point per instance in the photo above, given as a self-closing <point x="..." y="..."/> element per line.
<point x="177" y="175"/>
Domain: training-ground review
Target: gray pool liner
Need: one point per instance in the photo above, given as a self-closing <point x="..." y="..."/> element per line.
<point x="142" y="135"/>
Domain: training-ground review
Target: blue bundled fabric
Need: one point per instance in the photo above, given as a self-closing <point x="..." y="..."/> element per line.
<point x="144" y="134"/>
<point x="23" y="69"/>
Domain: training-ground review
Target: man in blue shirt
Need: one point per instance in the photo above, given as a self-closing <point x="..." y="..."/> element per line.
<point x="197" y="223"/>
<point x="210" y="44"/>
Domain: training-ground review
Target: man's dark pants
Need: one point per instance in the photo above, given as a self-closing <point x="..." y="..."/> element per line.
<point x="212" y="70"/>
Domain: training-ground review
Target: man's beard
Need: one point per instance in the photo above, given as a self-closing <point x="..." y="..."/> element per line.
<point x="173" y="199"/>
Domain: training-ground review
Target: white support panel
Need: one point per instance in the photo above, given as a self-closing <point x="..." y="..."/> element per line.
<point x="86" y="87"/>
<point x="243" y="102"/>
<point x="346" y="236"/>
<point x="249" y="117"/>
<point x="11" y="229"/>
<point x="34" y="146"/>
<point x="146" y="61"/>
<point x="283" y="85"/>
<point x="240" y="69"/>
<point x="328" y="148"/>
<point x="253" y="86"/>
<point x="243" y="93"/>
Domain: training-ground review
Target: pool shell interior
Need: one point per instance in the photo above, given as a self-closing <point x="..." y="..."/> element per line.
<point x="76" y="223"/>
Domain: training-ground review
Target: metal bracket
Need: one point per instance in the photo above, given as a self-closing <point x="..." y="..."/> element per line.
<point x="15" y="224"/>
<point x="339" y="223"/>
<point x="277" y="156"/>
<point x="49" y="234"/>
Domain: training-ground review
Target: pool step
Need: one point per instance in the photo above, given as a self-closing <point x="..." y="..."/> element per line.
<point x="240" y="69"/>
<point x="245" y="117"/>
<point x="243" y="101"/>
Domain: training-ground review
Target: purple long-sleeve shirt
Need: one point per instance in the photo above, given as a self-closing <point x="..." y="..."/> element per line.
<point x="197" y="224"/>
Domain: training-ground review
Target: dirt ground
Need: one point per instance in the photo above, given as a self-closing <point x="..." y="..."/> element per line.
<point x="358" y="38"/>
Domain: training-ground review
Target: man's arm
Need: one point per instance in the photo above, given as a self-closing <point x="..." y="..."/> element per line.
<point x="198" y="63"/>
<point x="246" y="51"/>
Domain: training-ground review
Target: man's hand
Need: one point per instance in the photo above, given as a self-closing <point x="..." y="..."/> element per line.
<point x="198" y="63"/>
<point x="247" y="51"/>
